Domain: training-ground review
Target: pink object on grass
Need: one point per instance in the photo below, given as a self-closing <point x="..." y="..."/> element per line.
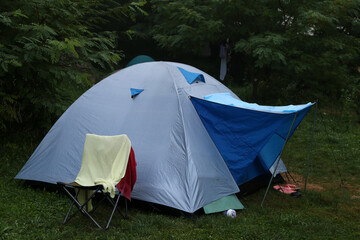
<point x="287" y="189"/>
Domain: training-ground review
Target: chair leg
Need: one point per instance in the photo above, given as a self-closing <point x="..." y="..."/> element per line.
<point x="113" y="211"/>
<point x="71" y="205"/>
<point x="126" y="208"/>
<point x="84" y="209"/>
<point x="79" y="206"/>
<point x="113" y="204"/>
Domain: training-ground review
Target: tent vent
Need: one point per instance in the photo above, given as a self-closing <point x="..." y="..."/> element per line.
<point x="135" y="92"/>
<point x="192" y="77"/>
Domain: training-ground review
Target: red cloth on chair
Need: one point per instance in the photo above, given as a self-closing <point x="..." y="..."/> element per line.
<point x="126" y="185"/>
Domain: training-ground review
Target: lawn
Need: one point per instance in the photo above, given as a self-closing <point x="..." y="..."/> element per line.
<point x="330" y="208"/>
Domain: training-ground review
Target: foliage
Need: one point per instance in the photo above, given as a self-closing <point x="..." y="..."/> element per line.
<point x="302" y="48"/>
<point x="50" y="51"/>
<point x="184" y="25"/>
<point x="288" y="50"/>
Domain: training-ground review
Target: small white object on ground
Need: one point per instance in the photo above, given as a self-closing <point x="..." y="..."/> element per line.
<point x="231" y="213"/>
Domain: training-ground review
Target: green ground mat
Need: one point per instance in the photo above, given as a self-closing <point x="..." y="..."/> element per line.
<point x="224" y="204"/>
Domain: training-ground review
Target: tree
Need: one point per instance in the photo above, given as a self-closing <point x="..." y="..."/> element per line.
<point x="295" y="47"/>
<point x="184" y="26"/>
<point x="288" y="49"/>
<point x="50" y="51"/>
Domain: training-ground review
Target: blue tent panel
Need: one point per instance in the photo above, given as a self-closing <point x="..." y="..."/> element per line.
<point x="250" y="137"/>
<point x="191" y="76"/>
<point x="272" y="149"/>
<point x="239" y="134"/>
<point x="135" y="92"/>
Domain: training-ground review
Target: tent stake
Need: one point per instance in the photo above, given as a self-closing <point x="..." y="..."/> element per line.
<point x="310" y="150"/>
<point x="277" y="164"/>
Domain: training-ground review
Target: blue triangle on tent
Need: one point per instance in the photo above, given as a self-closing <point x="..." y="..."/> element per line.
<point x="135" y="92"/>
<point x="191" y="77"/>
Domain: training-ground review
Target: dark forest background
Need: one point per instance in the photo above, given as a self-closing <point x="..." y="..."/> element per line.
<point x="280" y="52"/>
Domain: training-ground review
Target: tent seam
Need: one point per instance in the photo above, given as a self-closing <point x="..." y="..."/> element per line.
<point x="182" y="120"/>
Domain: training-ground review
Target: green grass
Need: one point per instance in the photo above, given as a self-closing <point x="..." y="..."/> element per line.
<point x="330" y="213"/>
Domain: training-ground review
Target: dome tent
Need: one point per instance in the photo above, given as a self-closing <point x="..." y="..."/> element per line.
<point x="183" y="162"/>
<point x="177" y="163"/>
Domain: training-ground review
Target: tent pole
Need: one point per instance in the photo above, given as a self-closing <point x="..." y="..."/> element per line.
<point x="277" y="164"/>
<point x="310" y="150"/>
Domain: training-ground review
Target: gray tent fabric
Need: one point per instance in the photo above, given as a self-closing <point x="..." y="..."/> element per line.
<point x="281" y="168"/>
<point x="178" y="165"/>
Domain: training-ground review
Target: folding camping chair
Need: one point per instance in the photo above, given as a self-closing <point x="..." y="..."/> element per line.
<point x="104" y="163"/>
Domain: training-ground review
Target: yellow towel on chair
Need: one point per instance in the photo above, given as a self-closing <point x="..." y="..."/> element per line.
<point x="104" y="161"/>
